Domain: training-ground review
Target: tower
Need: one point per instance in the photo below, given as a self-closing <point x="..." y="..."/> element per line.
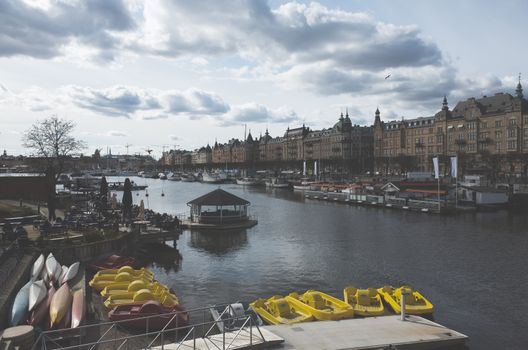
<point x="445" y="107"/>
<point x="377" y="119"/>
<point x="519" y="90"/>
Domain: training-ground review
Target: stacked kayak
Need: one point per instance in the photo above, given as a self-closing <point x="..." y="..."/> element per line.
<point x="365" y="302"/>
<point x="46" y="300"/>
<point x="415" y="303"/>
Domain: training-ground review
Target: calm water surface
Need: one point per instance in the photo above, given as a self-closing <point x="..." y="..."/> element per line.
<point x="472" y="267"/>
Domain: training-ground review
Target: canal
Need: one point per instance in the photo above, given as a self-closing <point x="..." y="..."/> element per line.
<point x="472" y="266"/>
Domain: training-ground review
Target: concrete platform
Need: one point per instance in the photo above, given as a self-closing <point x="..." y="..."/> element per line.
<point x="368" y="333"/>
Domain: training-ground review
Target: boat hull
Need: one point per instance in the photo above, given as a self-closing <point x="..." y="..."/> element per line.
<point x="419" y="305"/>
<point x="322" y="306"/>
<point x="20" y="305"/>
<point x="60" y="305"/>
<point x="278" y="310"/>
<point x="78" y="308"/>
<point x="157" y="320"/>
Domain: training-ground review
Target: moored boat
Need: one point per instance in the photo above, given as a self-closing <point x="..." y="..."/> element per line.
<point x="20" y="305"/>
<point x="321" y="305"/>
<point x="415" y="303"/>
<point x="40" y="311"/>
<point x="279" y="310"/>
<point x="248" y="181"/>
<point x="188" y="178"/>
<point x="165" y="298"/>
<point x="134" y="286"/>
<point x="100" y="282"/>
<point x="60" y="305"/>
<point x="71" y="272"/>
<point x="277" y="182"/>
<point x="158" y="316"/>
<point x="128" y="269"/>
<point x="37" y="293"/>
<point x="78" y="308"/>
<point x="365" y="302"/>
<point x="233" y="316"/>
<point x="38" y="265"/>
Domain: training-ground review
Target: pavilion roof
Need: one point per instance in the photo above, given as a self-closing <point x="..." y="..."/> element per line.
<point x="219" y="197"/>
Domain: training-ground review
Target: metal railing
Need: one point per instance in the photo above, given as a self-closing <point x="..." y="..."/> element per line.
<point x="116" y="335"/>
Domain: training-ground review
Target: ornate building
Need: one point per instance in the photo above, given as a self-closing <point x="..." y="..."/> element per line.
<point x="489" y="135"/>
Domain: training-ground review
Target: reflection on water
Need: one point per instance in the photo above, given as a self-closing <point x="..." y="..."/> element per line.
<point x="472" y="267"/>
<point x="218" y="242"/>
<point x="160" y="255"/>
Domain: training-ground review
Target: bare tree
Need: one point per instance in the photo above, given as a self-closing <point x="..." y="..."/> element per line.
<point x="52" y="140"/>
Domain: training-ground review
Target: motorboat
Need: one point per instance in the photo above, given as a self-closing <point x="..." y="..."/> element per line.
<point x="113" y="262"/>
<point x="165" y="298"/>
<point x="213" y="178"/>
<point x="233" y="316"/>
<point x="134" y="286"/>
<point x="321" y="305"/>
<point x="279" y="310"/>
<point x="415" y="303"/>
<point x="365" y="302"/>
<point x="248" y="181"/>
<point x="158" y="316"/>
<point x="20" y="305"/>
<point x="277" y="182"/>
<point x="188" y="178"/>
<point x="60" y="305"/>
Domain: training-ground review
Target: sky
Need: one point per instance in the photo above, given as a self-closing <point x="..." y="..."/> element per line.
<point x="155" y="74"/>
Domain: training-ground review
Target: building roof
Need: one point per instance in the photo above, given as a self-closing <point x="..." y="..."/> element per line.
<point x="219" y="197"/>
<point x="484" y="189"/>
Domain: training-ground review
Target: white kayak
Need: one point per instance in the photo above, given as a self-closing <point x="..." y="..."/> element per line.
<point x="64" y="269"/>
<point x="20" y="305"/>
<point x="37" y="267"/>
<point x="51" y="267"/>
<point x="57" y="274"/>
<point x="71" y="273"/>
<point x="37" y="293"/>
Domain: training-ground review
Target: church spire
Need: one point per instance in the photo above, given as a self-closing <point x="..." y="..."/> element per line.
<point x="445" y="107"/>
<point x="519" y="90"/>
<point x="377" y="119"/>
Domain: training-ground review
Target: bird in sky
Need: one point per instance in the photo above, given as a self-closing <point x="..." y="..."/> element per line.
<point x="388" y="76"/>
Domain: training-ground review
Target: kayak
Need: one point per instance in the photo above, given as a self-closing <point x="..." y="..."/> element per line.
<point x="37" y="267"/>
<point x="415" y="303"/>
<point x="322" y="306"/>
<point x="51" y="267"/>
<point x="365" y="302"/>
<point x="60" y="305"/>
<point x="37" y="293"/>
<point x="279" y="310"/>
<point x="71" y="272"/>
<point x="100" y="282"/>
<point x="42" y="309"/>
<point x="165" y="298"/>
<point x="78" y="308"/>
<point x="20" y="305"/>
<point x="119" y="288"/>
<point x="64" y="269"/>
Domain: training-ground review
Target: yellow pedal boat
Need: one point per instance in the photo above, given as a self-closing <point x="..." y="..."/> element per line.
<point x="134" y="286"/>
<point x="100" y="282"/>
<point x="365" y="302"/>
<point x="277" y="310"/>
<point x="415" y="303"/>
<point x="322" y="306"/>
<point x="130" y="270"/>
<point x="165" y="298"/>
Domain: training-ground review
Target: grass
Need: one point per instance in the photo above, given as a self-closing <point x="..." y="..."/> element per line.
<point x="8" y="210"/>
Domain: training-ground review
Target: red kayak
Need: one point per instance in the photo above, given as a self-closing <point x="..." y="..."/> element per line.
<point x="114" y="262"/>
<point x="150" y="308"/>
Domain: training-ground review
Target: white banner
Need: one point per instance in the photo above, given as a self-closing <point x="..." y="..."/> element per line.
<point x="454" y="166"/>
<point x="436" y="169"/>
<point x="315" y="168"/>
<point x="304" y="168"/>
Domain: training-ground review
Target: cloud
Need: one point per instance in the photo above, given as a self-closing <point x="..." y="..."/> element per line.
<point x="174" y="137"/>
<point x="257" y="113"/>
<point x="44" y="32"/>
<point x="115" y="133"/>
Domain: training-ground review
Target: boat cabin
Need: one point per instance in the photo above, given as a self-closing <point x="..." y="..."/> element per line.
<point x="219" y="207"/>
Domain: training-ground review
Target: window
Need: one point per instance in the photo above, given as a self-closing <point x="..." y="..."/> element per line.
<point x="498" y="123"/>
<point x="512" y="132"/>
<point x="440" y="138"/>
<point x="512" y="145"/>
<point x="513" y="122"/>
<point x="471" y="125"/>
<point x="498" y="146"/>
<point x="472" y="136"/>
<point x="525" y="132"/>
<point x="483" y="125"/>
<point x="498" y="134"/>
<point x="439" y="129"/>
<point x="450" y="138"/>
<point x="471" y="147"/>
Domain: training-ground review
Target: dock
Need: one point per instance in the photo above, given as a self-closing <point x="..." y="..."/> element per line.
<point x="385" y="332"/>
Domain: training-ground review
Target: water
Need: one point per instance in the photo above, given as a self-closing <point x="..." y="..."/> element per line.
<point x="472" y="267"/>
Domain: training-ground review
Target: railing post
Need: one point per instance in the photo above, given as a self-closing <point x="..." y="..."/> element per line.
<point x="402" y="304"/>
<point x="223" y="336"/>
<point x="194" y="338"/>
<point x="250" y="330"/>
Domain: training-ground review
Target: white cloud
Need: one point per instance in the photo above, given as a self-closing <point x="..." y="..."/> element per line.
<point x="115" y="133"/>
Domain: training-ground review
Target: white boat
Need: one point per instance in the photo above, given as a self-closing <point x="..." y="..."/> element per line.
<point x="162" y="176"/>
<point x="37" y="267"/>
<point x="37" y="293"/>
<point x="20" y="305"/>
<point x="64" y="269"/>
<point x="277" y="182"/>
<point x="174" y="177"/>
<point x="212" y="178"/>
<point x="51" y="267"/>
<point x="71" y="273"/>
<point x="247" y="181"/>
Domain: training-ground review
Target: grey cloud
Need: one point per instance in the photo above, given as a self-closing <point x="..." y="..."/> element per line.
<point x="256" y="113"/>
<point x="26" y="30"/>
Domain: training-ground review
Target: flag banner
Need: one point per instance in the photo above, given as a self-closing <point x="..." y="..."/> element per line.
<point x="454" y="166"/>
<point x="436" y="169"/>
<point x="304" y="168"/>
<point x="315" y="168"/>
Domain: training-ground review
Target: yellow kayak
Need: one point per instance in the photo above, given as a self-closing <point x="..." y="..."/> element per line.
<point x="365" y="302"/>
<point x="130" y="270"/>
<point x="415" y="303"/>
<point x="322" y="306"/>
<point x="277" y="310"/>
<point x="134" y="286"/>
<point x="100" y="282"/>
<point x="165" y="298"/>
